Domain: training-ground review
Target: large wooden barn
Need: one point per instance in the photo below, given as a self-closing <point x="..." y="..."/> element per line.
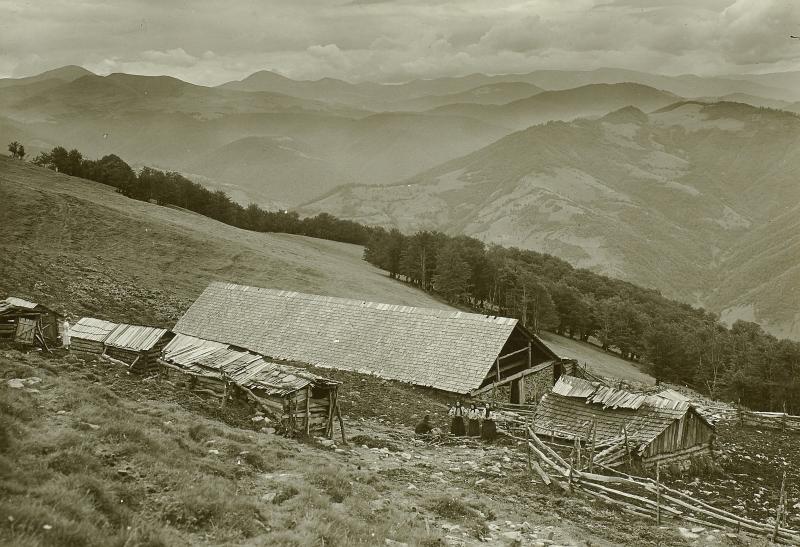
<point x="294" y="399"/>
<point x="29" y="323"/>
<point x="453" y="351"/>
<point x="656" y="428"/>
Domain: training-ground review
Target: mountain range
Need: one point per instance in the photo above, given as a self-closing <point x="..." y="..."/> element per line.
<point x="683" y="183"/>
<point x="699" y="200"/>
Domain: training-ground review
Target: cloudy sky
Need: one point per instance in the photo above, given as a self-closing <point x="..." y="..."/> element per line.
<point x="393" y="40"/>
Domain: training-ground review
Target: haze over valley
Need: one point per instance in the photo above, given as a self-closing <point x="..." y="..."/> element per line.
<point x="682" y="183"/>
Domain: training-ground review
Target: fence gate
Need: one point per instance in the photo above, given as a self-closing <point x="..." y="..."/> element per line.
<point x="26" y="331"/>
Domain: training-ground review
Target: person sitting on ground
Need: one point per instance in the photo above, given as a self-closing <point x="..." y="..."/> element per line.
<point x="457" y="419"/>
<point x="488" y="427"/>
<point x="474" y="416"/>
<point x="424" y="427"/>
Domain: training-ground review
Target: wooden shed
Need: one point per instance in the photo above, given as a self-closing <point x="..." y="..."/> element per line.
<point x="649" y="427"/>
<point x="445" y="349"/>
<point x="29" y="323"/>
<point x="295" y="400"/>
<point x="136" y="346"/>
<point x="89" y="334"/>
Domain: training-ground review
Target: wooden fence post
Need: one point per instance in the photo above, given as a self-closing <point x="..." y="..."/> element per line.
<point x="779" y="510"/>
<point x="528" y="443"/>
<point x="627" y="448"/>
<point x="591" y="447"/>
<point x="658" y="493"/>
<point x="308" y="409"/>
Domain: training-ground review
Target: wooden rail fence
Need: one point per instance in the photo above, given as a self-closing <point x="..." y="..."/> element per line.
<point x="769" y="420"/>
<point x="647" y="497"/>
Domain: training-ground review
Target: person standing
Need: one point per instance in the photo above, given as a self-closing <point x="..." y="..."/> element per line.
<point x="488" y="426"/>
<point x="474" y="416"/>
<point x="457" y="419"/>
<point x="65" y="334"/>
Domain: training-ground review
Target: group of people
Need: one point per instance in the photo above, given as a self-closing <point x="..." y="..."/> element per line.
<point x="472" y="422"/>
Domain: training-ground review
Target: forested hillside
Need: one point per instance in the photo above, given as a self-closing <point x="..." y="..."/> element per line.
<point x="680" y="343"/>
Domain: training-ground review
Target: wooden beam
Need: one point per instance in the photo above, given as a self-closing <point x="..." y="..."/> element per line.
<point x="504" y="381"/>
<point x="308" y="409"/>
<point x="514" y="352"/>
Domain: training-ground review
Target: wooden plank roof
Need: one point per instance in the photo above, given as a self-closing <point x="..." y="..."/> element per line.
<point x="89" y="328"/>
<point x="134" y="337"/>
<point x="444" y="349"/>
<point x="12" y="304"/>
<point x="574" y="404"/>
<point x="252" y="371"/>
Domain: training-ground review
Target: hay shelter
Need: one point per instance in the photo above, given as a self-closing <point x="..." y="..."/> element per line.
<point x="452" y="351"/>
<point x="29" y="323"/>
<point x="294" y="399"/>
<point x="138" y="347"/>
<point x="653" y="428"/>
<point x="88" y="335"/>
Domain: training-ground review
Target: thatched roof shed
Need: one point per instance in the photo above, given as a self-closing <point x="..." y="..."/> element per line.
<point x="448" y="350"/>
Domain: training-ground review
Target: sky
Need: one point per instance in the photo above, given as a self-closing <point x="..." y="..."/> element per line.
<point x="210" y="43"/>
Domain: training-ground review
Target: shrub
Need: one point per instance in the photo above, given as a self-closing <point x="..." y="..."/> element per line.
<point x="285" y="494"/>
<point x="333" y="482"/>
<point x="73" y="460"/>
<point x="212" y="504"/>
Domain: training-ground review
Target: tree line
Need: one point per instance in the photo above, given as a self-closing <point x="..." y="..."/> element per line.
<point x="677" y="342"/>
<point x="172" y="188"/>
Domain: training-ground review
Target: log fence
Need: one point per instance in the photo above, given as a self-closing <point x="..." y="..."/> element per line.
<point x="643" y="496"/>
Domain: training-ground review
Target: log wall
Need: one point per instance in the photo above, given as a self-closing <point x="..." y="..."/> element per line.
<point x="686" y="433"/>
<point x="86" y="346"/>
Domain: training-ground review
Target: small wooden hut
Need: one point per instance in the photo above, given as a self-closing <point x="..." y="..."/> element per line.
<point x="136" y="346"/>
<point x="294" y="399"/>
<point x="89" y="334"/>
<point x="640" y="427"/>
<point x="29" y="323"/>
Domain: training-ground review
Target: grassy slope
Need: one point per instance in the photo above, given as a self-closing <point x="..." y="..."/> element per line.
<point x="91" y="456"/>
<point x="95" y="457"/>
<point x="77" y="244"/>
<point x="596" y="360"/>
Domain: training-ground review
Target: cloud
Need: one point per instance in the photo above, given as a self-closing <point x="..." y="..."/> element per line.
<point x="172" y="57"/>
<point x="392" y="40"/>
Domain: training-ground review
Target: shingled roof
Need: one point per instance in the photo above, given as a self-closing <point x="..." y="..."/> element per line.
<point x="444" y="349"/>
<point x="575" y="403"/>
